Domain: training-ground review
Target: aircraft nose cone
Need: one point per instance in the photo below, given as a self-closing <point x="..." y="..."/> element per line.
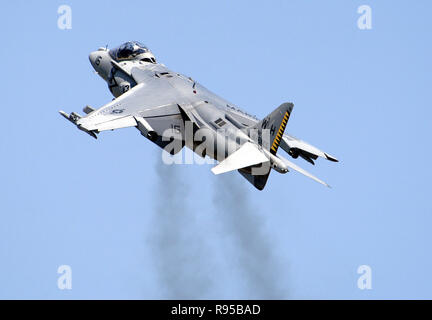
<point x="92" y="57"/>
<point x="101" y="62"/>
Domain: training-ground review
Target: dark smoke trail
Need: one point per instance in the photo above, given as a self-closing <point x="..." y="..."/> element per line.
<point x="252" y="247"/>
<point x="178" y="247"/>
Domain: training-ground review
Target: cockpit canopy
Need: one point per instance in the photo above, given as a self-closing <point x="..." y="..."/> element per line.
<point x="132" y="50"/>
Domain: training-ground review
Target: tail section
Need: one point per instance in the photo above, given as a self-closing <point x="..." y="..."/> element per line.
<point x="270" y="131"/>
<point x="254" y="161"/>
<point x="272" y="127"/>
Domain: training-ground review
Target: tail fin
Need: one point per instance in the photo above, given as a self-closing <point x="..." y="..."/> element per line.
<point x="270" y="131"/>
<point x="274" y="125"/>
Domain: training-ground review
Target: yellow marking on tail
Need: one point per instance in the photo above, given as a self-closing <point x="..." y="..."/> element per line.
<point x="279" y="134"/>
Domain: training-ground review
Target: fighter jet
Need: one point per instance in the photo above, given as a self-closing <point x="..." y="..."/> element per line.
<point x="173" y="111"/>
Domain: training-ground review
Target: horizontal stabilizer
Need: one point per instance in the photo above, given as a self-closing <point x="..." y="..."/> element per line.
<point x="295" y="167"/>
<point x="247" y="155"/>
<point x="289" y="142"/>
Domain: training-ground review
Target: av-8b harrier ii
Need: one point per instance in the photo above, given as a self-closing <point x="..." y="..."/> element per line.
<point x="173" y="111"/>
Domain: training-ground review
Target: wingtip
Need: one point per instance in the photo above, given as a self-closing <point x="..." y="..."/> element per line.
<point x="329" y="157"/>
<point x="64" y="114"/>
<point x="324" y="183"/>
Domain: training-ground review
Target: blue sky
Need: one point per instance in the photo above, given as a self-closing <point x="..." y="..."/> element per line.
<point x="103" y="207"/>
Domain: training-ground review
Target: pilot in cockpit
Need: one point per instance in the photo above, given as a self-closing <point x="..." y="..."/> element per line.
<point x="132" y="50"/>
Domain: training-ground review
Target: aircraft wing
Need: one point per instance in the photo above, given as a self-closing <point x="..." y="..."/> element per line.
<point x="150" y="106"/>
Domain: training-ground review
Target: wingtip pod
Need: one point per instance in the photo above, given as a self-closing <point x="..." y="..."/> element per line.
<point x="64" y="114"/>
<point x="73" y="117"/>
